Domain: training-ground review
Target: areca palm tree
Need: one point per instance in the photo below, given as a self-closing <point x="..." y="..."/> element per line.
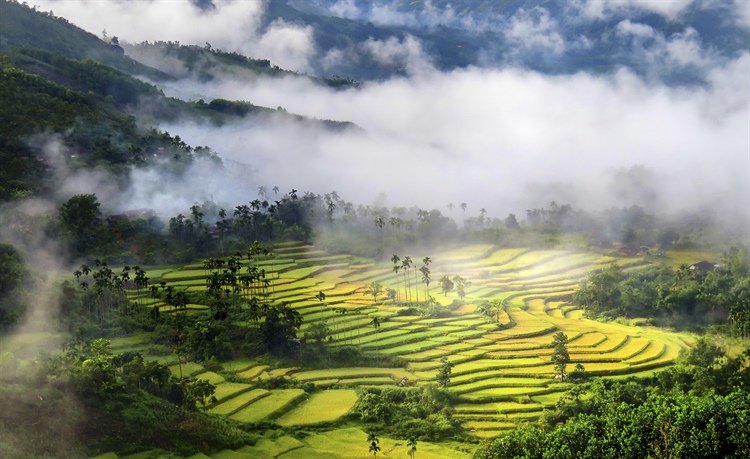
<point x="412" y="445"/>
<point x="426" y="275"/>
<point x="373" y="440"/>
<point x="342" y="312"/>
<point x="396" y="267"/>
<point x="405" y="265"/>
<point x="375" y="322"/>
<point x="321" y="298"/>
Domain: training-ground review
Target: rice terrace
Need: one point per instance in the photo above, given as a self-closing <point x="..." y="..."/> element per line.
<point x="327" y="229"/>
<point x="502" y="373"/>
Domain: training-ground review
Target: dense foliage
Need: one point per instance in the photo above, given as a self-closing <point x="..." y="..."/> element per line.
<point x="110" y="402"/>
<point x="697" y="409"/>
<point x="699" y="294"/>
<point x="13" y="277"/>
<point x="409" y="412"/>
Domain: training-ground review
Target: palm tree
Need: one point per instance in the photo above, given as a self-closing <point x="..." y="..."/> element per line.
<point x="262" y="191"/>
<point x="463" y="212"/>
<point x="405" y="265"/>
<point x="342" y="312"/>
<point x="275" y="190"/>
<point x="396" y="267"/>
<point x="379" y="222"/>
<point x="373" y="440"/>
<point x="412" y="444"/>
<point x="321" y="298"/>
<point x="426" y="275"/>
<point x="375" y="322"/>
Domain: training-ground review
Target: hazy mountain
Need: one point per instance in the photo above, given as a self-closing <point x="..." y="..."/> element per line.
<point x="550" y="36"/>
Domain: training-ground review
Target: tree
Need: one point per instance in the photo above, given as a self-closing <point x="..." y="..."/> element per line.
<point x="80" y="216"/>
<point x="391" y="293"/>
<point x="201" y="391"/>
<point x="405" y="265"/>
<point x="375" y="322"/>
<point x="484" y="308"/>
<point x="497" y="305"/>
<point x="375" y="289"/>
<point x="321" y="298"/>
<point x="13" y="274"/>
<point x="396" y="266"/>
<point x="444" y="374"/>
<point x="560" y="355"/>
<point x="373" y="440"/>
<point x="600" y="291"/>
<point x="411" y="443"/>
<point x="280" y="327"/>
<point x="426" y="275"/>
<point x="461" y="285"/>
<point x="446" y="285"/>
<point x="511" y="222"/>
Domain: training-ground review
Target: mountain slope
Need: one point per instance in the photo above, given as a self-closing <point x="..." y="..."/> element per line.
<point x="23" y="27"/>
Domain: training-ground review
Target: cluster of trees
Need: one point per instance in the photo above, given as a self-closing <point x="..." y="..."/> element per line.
<point x="690" y="295"/>
<point x="236" y="293"/>
<point x="13" y="278"/>
<point x="422" y="413"/>
<point x="111" y="402"/>
<point x="696" y="409"/>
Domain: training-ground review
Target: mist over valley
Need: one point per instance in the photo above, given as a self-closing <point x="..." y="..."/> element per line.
<point x="345" y="228"/>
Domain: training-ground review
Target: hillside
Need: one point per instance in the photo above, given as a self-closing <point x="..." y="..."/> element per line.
<point x="63" y="85"/>
<point x="24" y="27"/>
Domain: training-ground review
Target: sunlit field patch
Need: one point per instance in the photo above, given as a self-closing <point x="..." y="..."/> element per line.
<point x="266" y="406"/>
<point x="323" y="406"/>
<point x="253" y="372"/>
<point x="186" y="369"/>
<point x="353" y="372"/>
<point x="269" y="449"/>
<point x="235" y="403"/>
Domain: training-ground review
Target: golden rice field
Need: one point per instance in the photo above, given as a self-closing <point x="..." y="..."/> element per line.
<point x="502" y="373"/>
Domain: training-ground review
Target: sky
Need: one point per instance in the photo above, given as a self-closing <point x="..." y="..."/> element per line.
<point x="499" y="137"/>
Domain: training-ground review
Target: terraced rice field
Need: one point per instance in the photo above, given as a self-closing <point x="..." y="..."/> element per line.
<point x="343" y="443"/>
<point x="502" y="373"/>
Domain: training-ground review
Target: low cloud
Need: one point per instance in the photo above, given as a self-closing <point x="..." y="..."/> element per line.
<point x="659" y="54"/>
<point x="232" y="25"/>
<point x="505" y="140"/>
<point x="534" y="31"/>
<point x="600" y="9"/>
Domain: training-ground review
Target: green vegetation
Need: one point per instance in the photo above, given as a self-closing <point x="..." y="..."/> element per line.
<point x="695" y="409"/>
<point x="198" y="334"/>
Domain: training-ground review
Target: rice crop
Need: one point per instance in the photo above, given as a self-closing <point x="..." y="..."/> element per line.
<point x="266" y="406"/>
<point x="323" y="406"/>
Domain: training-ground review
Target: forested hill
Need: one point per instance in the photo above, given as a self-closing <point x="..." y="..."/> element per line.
<point x="65" y="87"/>
<point x="24" y="27"/>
